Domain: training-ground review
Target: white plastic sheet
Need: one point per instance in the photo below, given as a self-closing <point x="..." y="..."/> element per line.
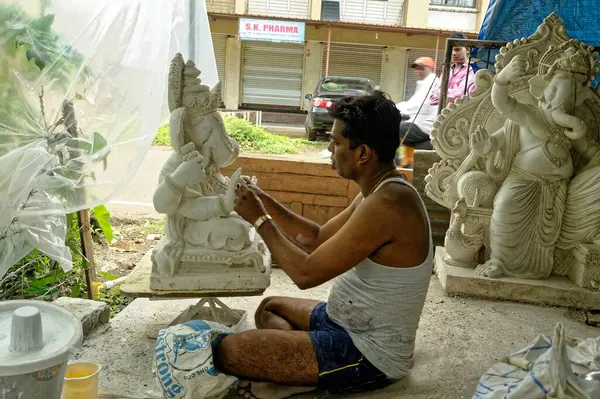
<point x="82" y="94"/>
<point x="548" y="368"/>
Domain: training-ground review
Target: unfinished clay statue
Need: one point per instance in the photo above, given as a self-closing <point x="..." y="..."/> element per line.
<point x="521" y="163"/>
<point x="207" y="246"/>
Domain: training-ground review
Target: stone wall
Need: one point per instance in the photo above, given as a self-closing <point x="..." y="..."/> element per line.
<point x="311" y="189"/>
<point x="439" y="215"/>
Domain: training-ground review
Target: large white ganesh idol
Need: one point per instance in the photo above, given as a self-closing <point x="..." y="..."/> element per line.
<point x="520" y="165"/>
<point x="207" y="246"/>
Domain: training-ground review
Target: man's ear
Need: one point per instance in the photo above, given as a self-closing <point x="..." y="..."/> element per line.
<point x="537" y="85"/>
<point x="364" y="154"/>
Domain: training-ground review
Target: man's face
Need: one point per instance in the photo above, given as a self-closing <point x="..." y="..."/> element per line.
<point x="422" y="72"/>
<point x="459" y="55"/>
<point x="342" y="157"/>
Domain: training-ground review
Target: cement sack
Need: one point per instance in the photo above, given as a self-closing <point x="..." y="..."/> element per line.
<point x="183" y="361"/>
<point x="548" y="368"/>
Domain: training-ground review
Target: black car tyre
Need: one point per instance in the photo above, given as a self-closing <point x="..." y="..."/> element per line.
<point x="311" y="134"/>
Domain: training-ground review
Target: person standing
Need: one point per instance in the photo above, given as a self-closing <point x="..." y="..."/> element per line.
<point x="462" y="76"/>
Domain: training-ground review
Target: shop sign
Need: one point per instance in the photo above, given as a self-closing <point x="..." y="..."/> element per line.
<point x="263" y="30"/>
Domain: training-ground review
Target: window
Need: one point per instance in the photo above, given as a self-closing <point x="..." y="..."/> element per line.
<point x="454" y="3"/>
<point x="330" y="10"/>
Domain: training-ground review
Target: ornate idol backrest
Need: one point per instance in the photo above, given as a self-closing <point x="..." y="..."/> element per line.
<point x="452" y="129"/>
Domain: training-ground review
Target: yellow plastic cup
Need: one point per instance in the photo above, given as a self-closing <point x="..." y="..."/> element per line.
<point x="81" y="381"/>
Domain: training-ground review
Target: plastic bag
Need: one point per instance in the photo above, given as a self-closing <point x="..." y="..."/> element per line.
<point x="82" y="95"/>
<point x="548" y="368"/>
<point x="183" y="361"/>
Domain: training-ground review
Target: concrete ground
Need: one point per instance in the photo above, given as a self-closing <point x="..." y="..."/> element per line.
<point x="457" y="341"/>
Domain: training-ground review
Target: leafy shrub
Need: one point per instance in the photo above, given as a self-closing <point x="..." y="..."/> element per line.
<point x="251" y="138"/>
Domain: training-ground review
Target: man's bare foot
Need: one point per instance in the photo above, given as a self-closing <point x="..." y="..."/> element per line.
<point x="493" y="268"/>
<point x="268" y="390"/>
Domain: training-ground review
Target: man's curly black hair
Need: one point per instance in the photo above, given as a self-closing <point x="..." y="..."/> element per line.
<point x="372" y="120"/>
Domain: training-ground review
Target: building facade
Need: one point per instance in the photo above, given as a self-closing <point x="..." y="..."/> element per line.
<point x="271" y="53"/>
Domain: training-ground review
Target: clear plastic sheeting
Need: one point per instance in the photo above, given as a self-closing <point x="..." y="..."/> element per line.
<point x="82" y="94"/>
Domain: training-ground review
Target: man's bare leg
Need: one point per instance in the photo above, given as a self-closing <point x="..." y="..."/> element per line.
<point x="280" y="357"/>
<point x="285" y="313"/>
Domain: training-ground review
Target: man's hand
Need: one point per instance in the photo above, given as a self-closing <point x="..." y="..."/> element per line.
<point x="248" y="205"/>
<point x="251" y="184"/>
<point x="516" y="68"/>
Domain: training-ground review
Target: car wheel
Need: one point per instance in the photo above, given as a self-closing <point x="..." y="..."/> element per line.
<point x="311" y="135"/>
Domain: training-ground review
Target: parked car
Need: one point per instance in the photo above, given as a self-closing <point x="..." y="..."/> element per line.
<point x="329" y="90"/>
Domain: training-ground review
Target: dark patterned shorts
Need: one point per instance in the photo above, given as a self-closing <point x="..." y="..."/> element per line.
<point x="342" y="368"/>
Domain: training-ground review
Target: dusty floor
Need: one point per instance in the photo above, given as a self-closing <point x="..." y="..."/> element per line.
<point x="457" y="341"/>
<point x="129" y="245"/>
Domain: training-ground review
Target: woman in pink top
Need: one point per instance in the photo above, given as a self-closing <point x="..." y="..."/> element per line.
<point x="462" y="77"/>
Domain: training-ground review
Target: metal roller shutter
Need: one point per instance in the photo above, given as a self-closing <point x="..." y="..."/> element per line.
<point x="280" y="8"/>
<point x="354" y="61"/>
<point x="390" y="12"/>
<point x="411" y="77"/>
<point x="272" y="74"/>
<point x="220" y="46"/>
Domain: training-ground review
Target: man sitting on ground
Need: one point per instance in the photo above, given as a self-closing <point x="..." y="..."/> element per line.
<point x="378" y="251"/>
<point x="421" y="114"/>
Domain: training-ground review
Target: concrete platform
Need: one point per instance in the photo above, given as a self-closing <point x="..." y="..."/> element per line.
<point x="457" y="341"/>
<point x="555" y="291"/>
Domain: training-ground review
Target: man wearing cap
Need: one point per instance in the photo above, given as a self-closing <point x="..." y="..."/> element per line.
<point x="418" y="110"/>
<point x="462" y="77"/>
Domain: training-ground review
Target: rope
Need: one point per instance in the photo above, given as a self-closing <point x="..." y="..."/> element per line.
<point x="417" y="114"/>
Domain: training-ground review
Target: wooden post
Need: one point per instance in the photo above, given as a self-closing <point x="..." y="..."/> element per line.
<point x="87" y="249"/>
<point x="328" y="49"/>
<point x="437" y="48"/>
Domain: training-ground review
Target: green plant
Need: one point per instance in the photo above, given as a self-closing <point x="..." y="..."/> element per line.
<point x="102" y="216"/>
<point x="29" y="51"/>
<point x="251" y="138"/>
<point x="162" y="136"/>
<point x="37" y="276"/>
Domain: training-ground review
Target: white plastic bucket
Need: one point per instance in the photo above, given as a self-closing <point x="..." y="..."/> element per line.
<point x="36" y="341"/>
<point x="46" y="384"/>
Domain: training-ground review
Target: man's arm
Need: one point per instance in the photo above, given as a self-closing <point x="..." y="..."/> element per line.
<point x="301" y="230"/>
<point x="363" y="233"/>
<point x="434" y="98"/>
<point x="457" y="92"/>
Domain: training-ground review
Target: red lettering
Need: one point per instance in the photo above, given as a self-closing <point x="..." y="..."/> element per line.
<point x="248" y="27"/>
<point x="256" y="27"/>
<point x="265" y="28"/>
<point x="296" y="30"/>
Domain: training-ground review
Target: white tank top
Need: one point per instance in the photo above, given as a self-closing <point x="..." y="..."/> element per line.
<point x="380" y="307"/>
